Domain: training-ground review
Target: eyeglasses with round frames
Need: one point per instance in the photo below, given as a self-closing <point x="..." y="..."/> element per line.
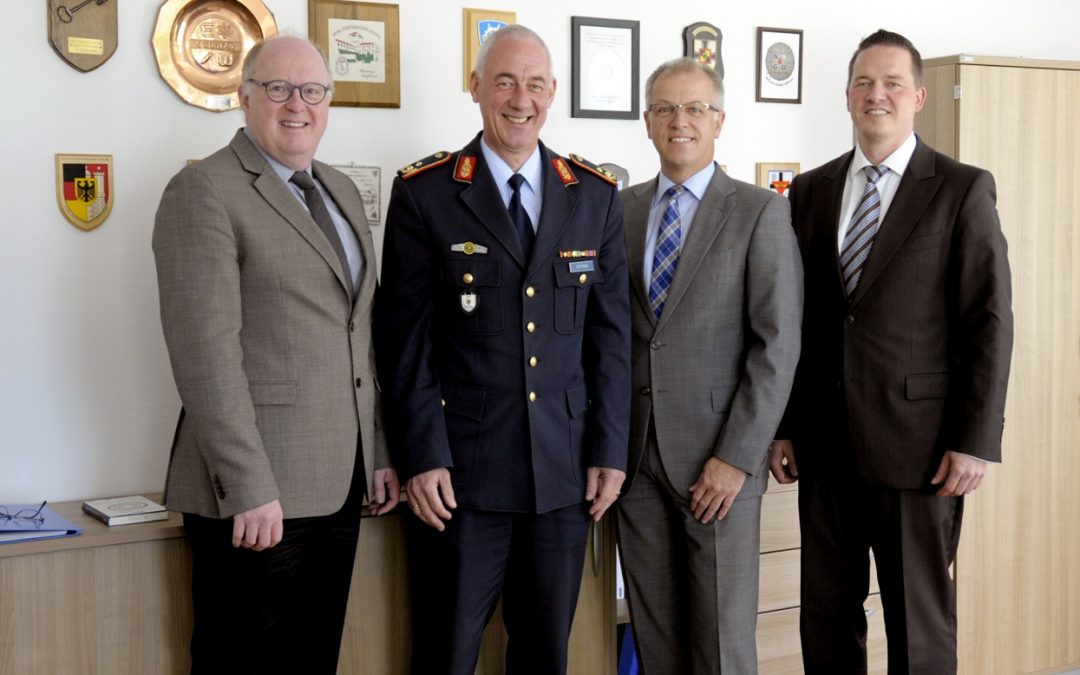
<point x="24" y="514"/>
<point x="280" y="91"/>
<point x="694" y="109"/>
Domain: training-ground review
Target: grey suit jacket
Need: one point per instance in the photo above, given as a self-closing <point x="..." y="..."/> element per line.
<point x="272" y="358"/>
<point x="714" y="373"/>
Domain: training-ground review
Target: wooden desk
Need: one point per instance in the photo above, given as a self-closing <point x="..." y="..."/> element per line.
<point x="117" y="601"/>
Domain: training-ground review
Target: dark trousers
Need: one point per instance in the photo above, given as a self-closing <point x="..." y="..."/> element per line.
<point x="913" y="535"/>
<point x="534" y="562"/>
<point x="281" y="610"/>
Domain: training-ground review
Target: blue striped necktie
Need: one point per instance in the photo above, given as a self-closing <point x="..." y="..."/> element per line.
<point x="666" y="254"/>
<point x="861" y="230"/>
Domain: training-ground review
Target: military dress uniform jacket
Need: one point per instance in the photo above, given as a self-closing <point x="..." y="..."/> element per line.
<point x="513" y="373"/>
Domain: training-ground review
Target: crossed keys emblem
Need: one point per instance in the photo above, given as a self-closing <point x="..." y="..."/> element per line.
<point x="64" y="14"/>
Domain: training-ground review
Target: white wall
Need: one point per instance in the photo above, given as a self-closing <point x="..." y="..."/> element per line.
<point x="87" y="403"/>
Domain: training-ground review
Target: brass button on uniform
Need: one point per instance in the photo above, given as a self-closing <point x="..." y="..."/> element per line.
<point x="532" y="397"/>
<point x="468" y="278"/>
<point x="533" y="362"/>
<point x="656" y="344"/>
<point x="530" y="291"/>
<point x="583" y="278"/>
<point x="531" y="327"/>
<point x="443" y="402"/>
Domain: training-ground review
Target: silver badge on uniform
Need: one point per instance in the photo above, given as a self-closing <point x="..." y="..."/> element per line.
<point x="468" y="302"/>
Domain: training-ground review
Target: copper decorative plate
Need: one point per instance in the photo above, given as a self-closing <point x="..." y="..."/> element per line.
<point x="201" y="44"/>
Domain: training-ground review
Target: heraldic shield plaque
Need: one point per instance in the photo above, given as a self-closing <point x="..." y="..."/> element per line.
<point x="83" y="32"/>
<point x="84" y="189"/>
<point x="200" y="47"/>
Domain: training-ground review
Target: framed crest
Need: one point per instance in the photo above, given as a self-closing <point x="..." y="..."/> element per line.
<point x="478" y="25"/>
<point x="84" y="189"/>
<point x="777" y="176"/>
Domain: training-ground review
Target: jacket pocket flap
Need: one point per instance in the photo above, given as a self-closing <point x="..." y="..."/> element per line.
<point x="721" y="399"/>
<point x="933" y="385"/>
<point x="572" y="272"/>
<point x="577" y="400"/>
<point x="465" y="401"/>
<point x="272" y="393"/>
<point x="480" y="272"/>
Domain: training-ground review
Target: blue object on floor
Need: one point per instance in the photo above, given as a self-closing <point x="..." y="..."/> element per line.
<point x="628" y="663"/>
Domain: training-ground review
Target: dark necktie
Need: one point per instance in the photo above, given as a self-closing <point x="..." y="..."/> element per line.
<point x="666" y="254"/>
<point x="865" y="222"/>
<point x="321" y="215"/>
<point x="522" y="223"/>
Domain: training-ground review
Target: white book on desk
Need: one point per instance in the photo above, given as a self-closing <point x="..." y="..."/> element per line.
<point x="125" y="510"/>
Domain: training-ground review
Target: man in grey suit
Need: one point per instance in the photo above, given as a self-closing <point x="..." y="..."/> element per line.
<point x="266" y="273"/>
<point x="716" y="310"/>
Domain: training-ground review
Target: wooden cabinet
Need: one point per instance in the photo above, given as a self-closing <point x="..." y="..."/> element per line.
<point x="1018" y="567"/>
<point x="117" y="601"/>
<point x="779" y="652"/>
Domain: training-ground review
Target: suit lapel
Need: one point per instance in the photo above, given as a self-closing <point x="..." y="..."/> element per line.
<point x="344" y="193"/>
<point x="558" y="208"/>
<point x="281" y="199"/>
<point x="710" y="218"/>
<point x="636" y="223"/>
<point x="483" y="198"/>
<point x="917" y="187"/>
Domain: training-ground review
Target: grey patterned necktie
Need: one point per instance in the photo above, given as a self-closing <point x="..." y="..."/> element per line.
<point x="864" y="225"/>
<point x="321" y="215"/>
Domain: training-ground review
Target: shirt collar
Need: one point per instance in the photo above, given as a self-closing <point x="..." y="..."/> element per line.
<point x="501" y="171"/>
<point x="283" y="172"/>
<point x="695" y="185"/>
<point x="897" y="161"/>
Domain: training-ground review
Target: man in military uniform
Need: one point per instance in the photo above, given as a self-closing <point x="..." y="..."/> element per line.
<point x="502" y="330"/>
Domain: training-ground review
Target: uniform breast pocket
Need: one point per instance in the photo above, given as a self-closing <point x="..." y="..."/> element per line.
<point x="573" y="280"/>
<point x="471" y="292"/>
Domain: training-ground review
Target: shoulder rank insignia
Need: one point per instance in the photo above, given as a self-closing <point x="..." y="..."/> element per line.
<point x="598" y="171"/>
<point x="421" y="165"/>
<point x="465" y="168"/>
<point x="563" y="171"/>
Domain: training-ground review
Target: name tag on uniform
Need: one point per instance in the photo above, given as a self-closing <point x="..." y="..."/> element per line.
<point x="583" y="266"/>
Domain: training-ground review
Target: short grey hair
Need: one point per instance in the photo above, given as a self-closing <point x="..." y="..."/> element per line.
<point x="511" y="32"/>
<point x="686" y="64"/>
<point x="252" y="58"/>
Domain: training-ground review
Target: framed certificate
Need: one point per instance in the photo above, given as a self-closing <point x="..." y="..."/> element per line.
<point x="362" y="45"/>
<point x="779" y="65"/>
<point x="605" y="68"/>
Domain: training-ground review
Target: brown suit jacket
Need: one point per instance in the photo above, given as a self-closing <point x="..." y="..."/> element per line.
<point x="917" y="361"/>
<point x="272" y="358"/>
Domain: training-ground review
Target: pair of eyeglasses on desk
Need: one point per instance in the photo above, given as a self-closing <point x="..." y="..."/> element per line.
<point x="23" y="514"/>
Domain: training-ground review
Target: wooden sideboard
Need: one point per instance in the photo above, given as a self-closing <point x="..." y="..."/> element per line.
<point x="117" y="601"/>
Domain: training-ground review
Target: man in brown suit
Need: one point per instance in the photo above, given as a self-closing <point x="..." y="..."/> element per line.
<point x="899" y="397"/>
<point x="266" y="273"/>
